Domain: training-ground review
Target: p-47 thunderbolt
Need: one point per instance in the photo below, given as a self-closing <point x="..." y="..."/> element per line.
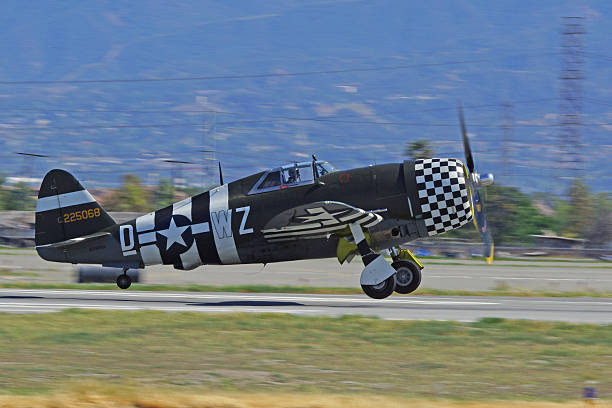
<point x="297" y="211"/>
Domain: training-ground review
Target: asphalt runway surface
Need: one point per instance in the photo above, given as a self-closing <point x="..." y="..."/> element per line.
<point x="398" y="307"/>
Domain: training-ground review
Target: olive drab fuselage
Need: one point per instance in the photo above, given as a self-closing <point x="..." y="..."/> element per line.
<point x="239" y="223"/>
<point x="227" y="224"/>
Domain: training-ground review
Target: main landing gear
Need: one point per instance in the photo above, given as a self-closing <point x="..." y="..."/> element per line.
<point x="407" y="276"/>
<point x="123" y="280"/>
<point x="378" y="278"/>
<point x="406" y="279"/>
<point x="382" y="290"/>
<point x="407" y="270"/>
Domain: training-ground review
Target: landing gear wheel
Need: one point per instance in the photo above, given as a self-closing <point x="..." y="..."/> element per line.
<point x="407" y="276"/>
<point x="124" y="281"/>
<point x="382" y="290"/>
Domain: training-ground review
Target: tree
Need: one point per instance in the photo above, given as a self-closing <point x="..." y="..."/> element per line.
<point x="2" y="192"/>
<point x="598" y="231"/>
<point x="191" y="191"/>
<point x="580" y="210"/>
<point x="132" y="196"/>
<point x="18" y="198"/>
<point x="419" y="149"/>
<point x="511" y="216"/>
<point x="164" y="194"/>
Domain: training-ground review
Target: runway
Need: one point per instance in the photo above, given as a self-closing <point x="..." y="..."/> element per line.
<point x="398" y="307"/>
<point x="462" y="274"/>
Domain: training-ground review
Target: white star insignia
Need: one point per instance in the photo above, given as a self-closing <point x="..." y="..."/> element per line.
<point x="174" y="234"/>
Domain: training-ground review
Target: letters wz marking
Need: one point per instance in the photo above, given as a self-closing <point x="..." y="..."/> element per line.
<point x="222" y="222"/>
<point x="242" y="229"/>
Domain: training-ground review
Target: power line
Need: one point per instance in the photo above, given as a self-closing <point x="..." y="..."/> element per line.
<point x="288" y="119"/>
<point x="145" y="111"/>
<point x="276" y="119"/>
<point x="266" y="75"/>
<point x="597" y="101"/>
<point x="221" y="112"/>
<point x="594" y="55"/>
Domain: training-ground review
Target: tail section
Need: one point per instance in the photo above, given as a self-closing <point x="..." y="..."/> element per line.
<point x="65" y="210"/>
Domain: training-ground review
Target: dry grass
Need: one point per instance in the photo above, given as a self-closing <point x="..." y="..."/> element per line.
<point x="117" y="399"/>
<point x="124" y="353"/>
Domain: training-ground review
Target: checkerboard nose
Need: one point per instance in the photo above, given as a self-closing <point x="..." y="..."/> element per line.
<point x="443" y="194"/>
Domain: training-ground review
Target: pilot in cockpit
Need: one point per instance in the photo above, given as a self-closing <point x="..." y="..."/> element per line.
<point x="293" y="175"/>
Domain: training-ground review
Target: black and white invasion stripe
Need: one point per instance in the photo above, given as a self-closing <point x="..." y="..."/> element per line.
<point x="317" y="220"/>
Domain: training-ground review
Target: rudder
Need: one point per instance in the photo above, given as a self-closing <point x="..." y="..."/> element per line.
<point x="65" y="210"/>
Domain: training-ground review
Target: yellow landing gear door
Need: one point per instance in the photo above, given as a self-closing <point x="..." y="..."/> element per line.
<point x="347" y="250"/>
<point x="401" y="253"/>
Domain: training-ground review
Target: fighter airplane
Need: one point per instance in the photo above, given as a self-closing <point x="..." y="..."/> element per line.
<point x="296" y="211"/>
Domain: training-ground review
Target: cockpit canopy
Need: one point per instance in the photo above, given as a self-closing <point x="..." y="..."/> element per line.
<point x="291" y="175"/>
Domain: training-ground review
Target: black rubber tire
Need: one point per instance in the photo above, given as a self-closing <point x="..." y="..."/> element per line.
<point x="381" y="290"/>
<point x="124" y="281"/>
<point x="407" y="276"/>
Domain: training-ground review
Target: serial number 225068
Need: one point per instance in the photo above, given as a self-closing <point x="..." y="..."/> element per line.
<point x="81" y="215"/>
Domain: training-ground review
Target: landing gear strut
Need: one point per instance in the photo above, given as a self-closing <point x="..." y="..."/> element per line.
<point x="123" y="280"/>
<point x="378" y="277"/>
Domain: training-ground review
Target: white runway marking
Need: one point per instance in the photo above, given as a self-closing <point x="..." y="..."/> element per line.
<point x="57" y="306"/>
<point x="395" y="307"/>
<point x="242" y="296"/>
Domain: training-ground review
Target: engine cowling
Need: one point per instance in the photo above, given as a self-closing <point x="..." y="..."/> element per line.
<point x="442" y="191"/>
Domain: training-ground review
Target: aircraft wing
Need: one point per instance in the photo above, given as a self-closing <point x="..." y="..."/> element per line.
<point x="317" y="220"/>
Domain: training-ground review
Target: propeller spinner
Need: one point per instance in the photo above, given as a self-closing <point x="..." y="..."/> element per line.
<point x="474" y="181"/>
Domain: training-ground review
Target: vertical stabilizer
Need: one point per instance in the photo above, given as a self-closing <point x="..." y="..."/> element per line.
<point x="65" y="210"/>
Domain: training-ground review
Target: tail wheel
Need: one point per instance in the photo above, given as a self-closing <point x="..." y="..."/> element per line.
<point x="382" y="290"/>
<point x="124" y="281"/>
<point x="407" y="276"/>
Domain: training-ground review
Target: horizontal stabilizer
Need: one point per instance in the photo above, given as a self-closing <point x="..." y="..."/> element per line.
<point x="74" y="241"/>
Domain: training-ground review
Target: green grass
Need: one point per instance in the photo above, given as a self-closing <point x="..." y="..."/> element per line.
<point x="4" y="273"/>
<point x="194" y="352"/>
<point x="504" y="290"/>
<point x="499" y="290"/>
<point x="543" y="259"/>
<point x="518" y="265"/>
<point x="186" y="288"/>
<point x="517" y="259"/>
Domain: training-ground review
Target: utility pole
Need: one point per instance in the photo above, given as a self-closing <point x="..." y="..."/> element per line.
<point x="209" y="150"/>
<point x="571" y="165"/>
<point x="508" y="130"/>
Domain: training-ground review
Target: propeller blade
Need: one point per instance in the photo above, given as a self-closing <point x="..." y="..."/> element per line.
<point x="469" y="160"/>
<point x="478" y="211"/>
<point x="489" y="247"/>
<point x="480" y="222"/>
